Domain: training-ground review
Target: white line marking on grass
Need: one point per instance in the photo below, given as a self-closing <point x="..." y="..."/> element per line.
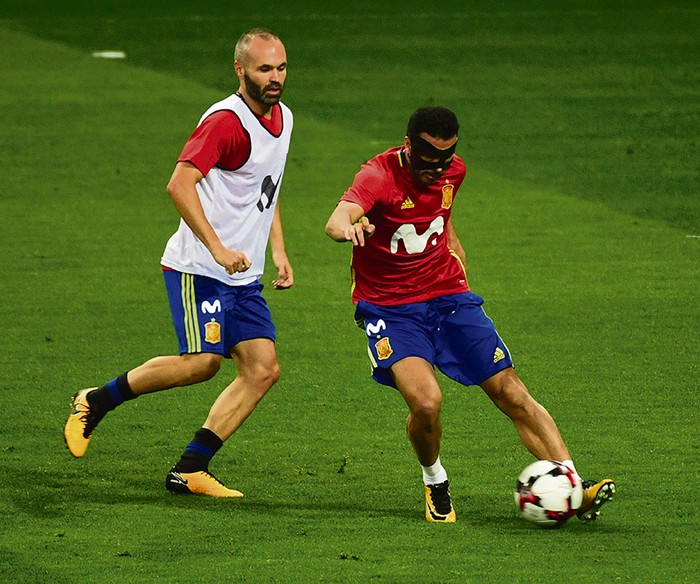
<point x="693" y="236"/>
<point x="109" y="54"/>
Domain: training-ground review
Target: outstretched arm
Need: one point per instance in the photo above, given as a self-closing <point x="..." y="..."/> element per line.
<point x="183" y="192"/>
<point x="348" y="223"/>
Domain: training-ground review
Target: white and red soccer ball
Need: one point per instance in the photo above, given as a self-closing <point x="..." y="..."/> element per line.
<point x="548" y="493"/>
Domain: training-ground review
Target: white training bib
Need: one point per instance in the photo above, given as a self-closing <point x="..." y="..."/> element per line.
<point x="239" y="204"/>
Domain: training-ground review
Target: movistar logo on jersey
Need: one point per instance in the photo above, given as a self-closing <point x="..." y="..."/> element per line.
<point x="211" y="308"/>
<point x="413" y="242"/>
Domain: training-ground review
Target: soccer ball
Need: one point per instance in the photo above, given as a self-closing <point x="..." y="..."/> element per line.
<point x="548" y="493"/>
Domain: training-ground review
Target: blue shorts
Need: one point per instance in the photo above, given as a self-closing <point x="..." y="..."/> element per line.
<point x="452" y="333"/>
<point x="212" y="317"/>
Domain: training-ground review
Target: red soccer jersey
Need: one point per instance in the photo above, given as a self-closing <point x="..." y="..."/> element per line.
<point x="407" y="259"/>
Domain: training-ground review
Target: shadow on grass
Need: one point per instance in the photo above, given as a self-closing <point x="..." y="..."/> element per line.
<point x="48" y="494"/>
<point x="48" y="483"/>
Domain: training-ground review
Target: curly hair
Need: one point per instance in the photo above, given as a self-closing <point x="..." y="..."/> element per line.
<point x="438" y="122"/>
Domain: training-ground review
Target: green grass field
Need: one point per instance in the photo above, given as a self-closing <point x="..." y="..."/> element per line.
<point x="580" y="214"/>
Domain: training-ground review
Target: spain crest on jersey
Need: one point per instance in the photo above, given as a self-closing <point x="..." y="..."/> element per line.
<point x="384" y="349"/>
<point x="447" y="192"/>
<point x="212" y="332"/>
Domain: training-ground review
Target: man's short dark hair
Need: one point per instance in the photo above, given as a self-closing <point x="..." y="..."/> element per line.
<point x="240" y="53"/>
<point x="438" y="122"/>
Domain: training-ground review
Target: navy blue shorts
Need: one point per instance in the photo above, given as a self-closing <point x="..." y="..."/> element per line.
<point x="452" y="333"/>
<point x="212" y="317"/>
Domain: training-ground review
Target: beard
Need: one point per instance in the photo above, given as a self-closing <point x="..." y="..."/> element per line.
<point x="423" y="175"/>
<point x="260" y="93"/>
<point x="428" y="177"/>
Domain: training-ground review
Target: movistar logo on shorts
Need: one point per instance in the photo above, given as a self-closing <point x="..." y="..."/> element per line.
<point x="375" y="329"/>
<point x="413" y="242"/>
<point x="211" y="308"/>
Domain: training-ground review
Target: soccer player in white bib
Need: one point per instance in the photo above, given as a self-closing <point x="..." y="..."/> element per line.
<point x="226" y="187"/>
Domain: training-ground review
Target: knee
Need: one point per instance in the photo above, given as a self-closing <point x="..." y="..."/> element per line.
<point x="515" y="400"/>
<point x="426" y="409"/>
<point x="272" y="374"/>
<point x="262" y="375"/>
<point x="516" y="395"/>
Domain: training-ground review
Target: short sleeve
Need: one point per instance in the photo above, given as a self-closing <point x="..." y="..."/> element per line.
<point x="220" y="140"/>
<point x="368" y="187"/>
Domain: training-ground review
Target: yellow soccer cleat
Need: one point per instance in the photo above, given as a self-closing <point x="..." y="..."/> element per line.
<point x="438" y="504"/>
<point x="595" y="495"/>
<point x="198" y="483"/>
<point x="81" y="422"/>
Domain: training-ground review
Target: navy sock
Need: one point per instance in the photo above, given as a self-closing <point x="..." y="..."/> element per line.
<point x="110" y="395"/>
<point x="199" y="452"/>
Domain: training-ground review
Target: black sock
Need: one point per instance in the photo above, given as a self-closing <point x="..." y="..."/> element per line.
<point x="110" y="395"/>
<point x="199" y="452"/>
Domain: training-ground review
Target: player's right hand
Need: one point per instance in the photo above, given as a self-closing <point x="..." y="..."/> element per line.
<point x="233" y="261"/>
<point x="358" y="232"/>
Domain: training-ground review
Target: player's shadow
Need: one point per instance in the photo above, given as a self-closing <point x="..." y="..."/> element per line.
<point x="47" y="494"/>
<point x="337" y="509"/>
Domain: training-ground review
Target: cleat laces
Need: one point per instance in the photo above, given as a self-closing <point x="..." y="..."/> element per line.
<point x="440" y="496"/>
<point x="88" y="416"/>
<point x="90" y="420"/>
<point x="211" y="476"/>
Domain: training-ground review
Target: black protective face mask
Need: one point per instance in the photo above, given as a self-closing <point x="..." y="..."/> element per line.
<point x="421" y="147"/>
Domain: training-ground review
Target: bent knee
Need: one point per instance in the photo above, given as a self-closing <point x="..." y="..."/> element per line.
<point x="510" y="395"/>
<point x="272" y="374"/>
<point x="427" y="408"/>
<point x="518" y="404"/>
<point x="516" y="395"/>
<point x="262" y="375"/>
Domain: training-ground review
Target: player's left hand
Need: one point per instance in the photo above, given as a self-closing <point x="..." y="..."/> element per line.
<point x="286" y="276"/>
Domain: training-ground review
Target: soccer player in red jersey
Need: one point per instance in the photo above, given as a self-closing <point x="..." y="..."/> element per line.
<point x="414" y="302"/>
